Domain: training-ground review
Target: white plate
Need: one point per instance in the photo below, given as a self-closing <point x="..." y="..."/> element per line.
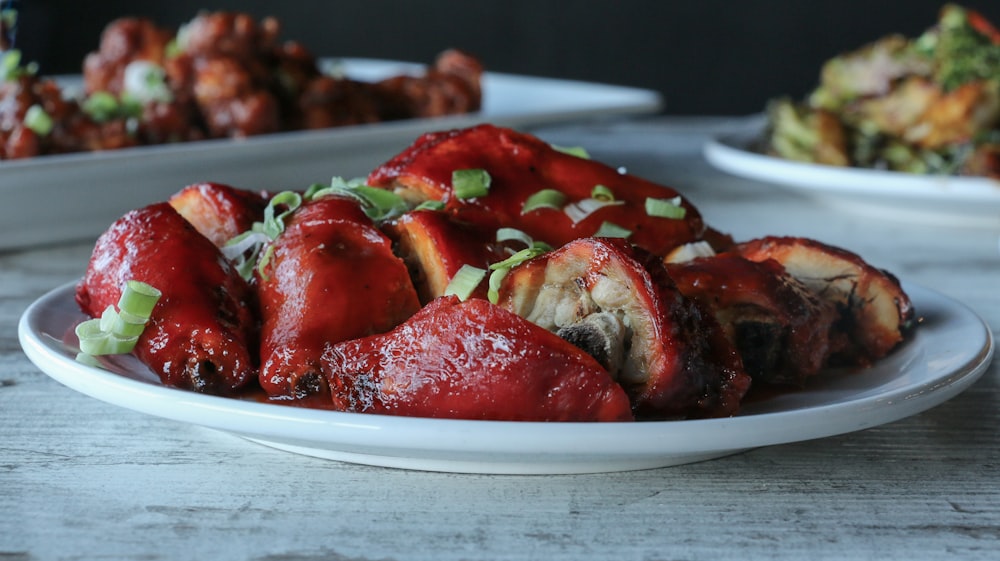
<point x="943" y="200"/>
<point x="950" y="350"/>
<point x="76" y="196"/>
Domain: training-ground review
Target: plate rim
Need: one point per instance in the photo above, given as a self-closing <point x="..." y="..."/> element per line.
<point x="612" y="446"/>
<point x="729" y="152"/>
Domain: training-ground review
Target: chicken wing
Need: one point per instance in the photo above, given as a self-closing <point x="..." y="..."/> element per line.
<point x="472" y="360"/>
<point x="202" y="334"/>
<point x="331" y="277"/>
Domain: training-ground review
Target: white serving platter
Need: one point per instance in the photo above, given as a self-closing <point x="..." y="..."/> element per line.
<point x="949" y="351"/>
<point x="77" y="196"/>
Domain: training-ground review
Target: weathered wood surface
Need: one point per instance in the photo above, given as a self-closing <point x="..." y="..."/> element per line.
<point x="80" y="479"/>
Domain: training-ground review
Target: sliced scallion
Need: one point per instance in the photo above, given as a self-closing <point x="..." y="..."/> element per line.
<point x="101" y="106"/>
<point x="665" y="208"/>
<point x="578" y="151"/>
<point x="116" y="332"/>
<point x="612" y="230"/>
<point x="38" y="120"/>
<point x="470" y="183"/>
<point x="465" y="281"/>
<point x="602" y="193"/>
<point x="496" y="279"/>
<point x="430" y="205"/>
<point x="583" y="208"/>
<point x="546" y="198"/>
<point x="513" y="234"/>
<point x="378" y="204"/>
<point x="500" y="269"/>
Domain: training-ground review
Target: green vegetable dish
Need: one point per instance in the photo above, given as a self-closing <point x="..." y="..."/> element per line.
<point x="927" y="105"/>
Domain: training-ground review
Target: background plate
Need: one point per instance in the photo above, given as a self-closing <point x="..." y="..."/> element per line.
<point x="944" y="200"/>
<point x="950" y="350"/>
<point x="77" y="196"/>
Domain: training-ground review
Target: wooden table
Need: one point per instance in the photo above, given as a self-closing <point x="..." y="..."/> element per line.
<point x="80" y="479"/>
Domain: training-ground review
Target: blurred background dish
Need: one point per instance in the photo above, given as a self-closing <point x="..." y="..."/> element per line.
<point x="708" y="57"/>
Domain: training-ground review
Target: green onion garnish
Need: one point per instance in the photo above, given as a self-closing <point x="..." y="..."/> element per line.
<point x="378" y="204"/>
<point x="501" y="268"/>
<point x="602" y="193"/>
<point x="578" y="151"/>
<point x="665" y="208"/>
<point x="612" y="230"/>
<point x="470" y="183"/>
<point x="583" y="208"/>
<point x="496" y="279"/>
<point x="116" y="332"/>
<point x="513" y="234"/>
<point x="10" y="66"/>
<point x="465" y="281"/>
<point x="146" y="81"/>
<point x="38" y="120"/>
<point x="244" y="250"/>
<point x="430" y="205"/>
<point x="546" y="198"/>
<point x="101" y="106"/>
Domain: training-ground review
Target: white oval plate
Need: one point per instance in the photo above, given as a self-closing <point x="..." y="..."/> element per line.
<point x="942" y="200"/>
<point x="949" y="351"/>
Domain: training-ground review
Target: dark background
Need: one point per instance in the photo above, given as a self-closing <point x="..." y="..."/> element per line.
<point x="705" y="57"/>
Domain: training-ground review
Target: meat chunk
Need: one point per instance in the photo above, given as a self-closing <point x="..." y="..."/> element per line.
<point x="520" y="165"/>
<point x="874" y="314"/>
<point x="435" y="246"/>
<point x="202" y="335"/>
<point x="331" y="276"/>
<point x="669" y="354"/>
<point x="779" y="327"/>
<point x="219" y="212"/>
<point x="472" y="360"/>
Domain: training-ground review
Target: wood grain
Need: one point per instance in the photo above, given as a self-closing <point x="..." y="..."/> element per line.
<point x="80" y="479"/>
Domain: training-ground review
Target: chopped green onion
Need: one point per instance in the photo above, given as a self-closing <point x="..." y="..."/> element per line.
<point x="602" y="193"/>
<point x="89" y="360"/>
<point x="496" y="279"/>
<point x="244" y="250"/>
<point x="546" y="198"/>
<point x="430" y="205"/>
<point x="465" y="281"/>
<point x="139" y="299"/>
<point x="665" y="208"/>
<point x="501" y="268"/>
<point x="10" y="66"/>
<point x="612" y="230"/>
<point x="101" y="106"/>
<point x="520" y="257"/>
<point x="583" y="208"/>
<point x="378" y="204"/>
<point x="689" y="252"/>
<point x="578" y="151"/>
<point x="274" y="224"/>
<point x="513" y="234"/>
<point x="470" y="183"/>
<point x="38" y="120"/>
<point x="146" y="82"/>
<point x="116" y="332"/>
<point x="9" y="63"/>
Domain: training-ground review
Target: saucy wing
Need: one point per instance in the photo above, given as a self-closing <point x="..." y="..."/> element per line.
<point x="519" y="166"/>
<point x="617" y="302"/>
<point x="780" y="328"/>
<point x="202" y="334"/>
<point x="873" y="312"/>
<point x="471" y="360"/>
<point x="331" y="276"/>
